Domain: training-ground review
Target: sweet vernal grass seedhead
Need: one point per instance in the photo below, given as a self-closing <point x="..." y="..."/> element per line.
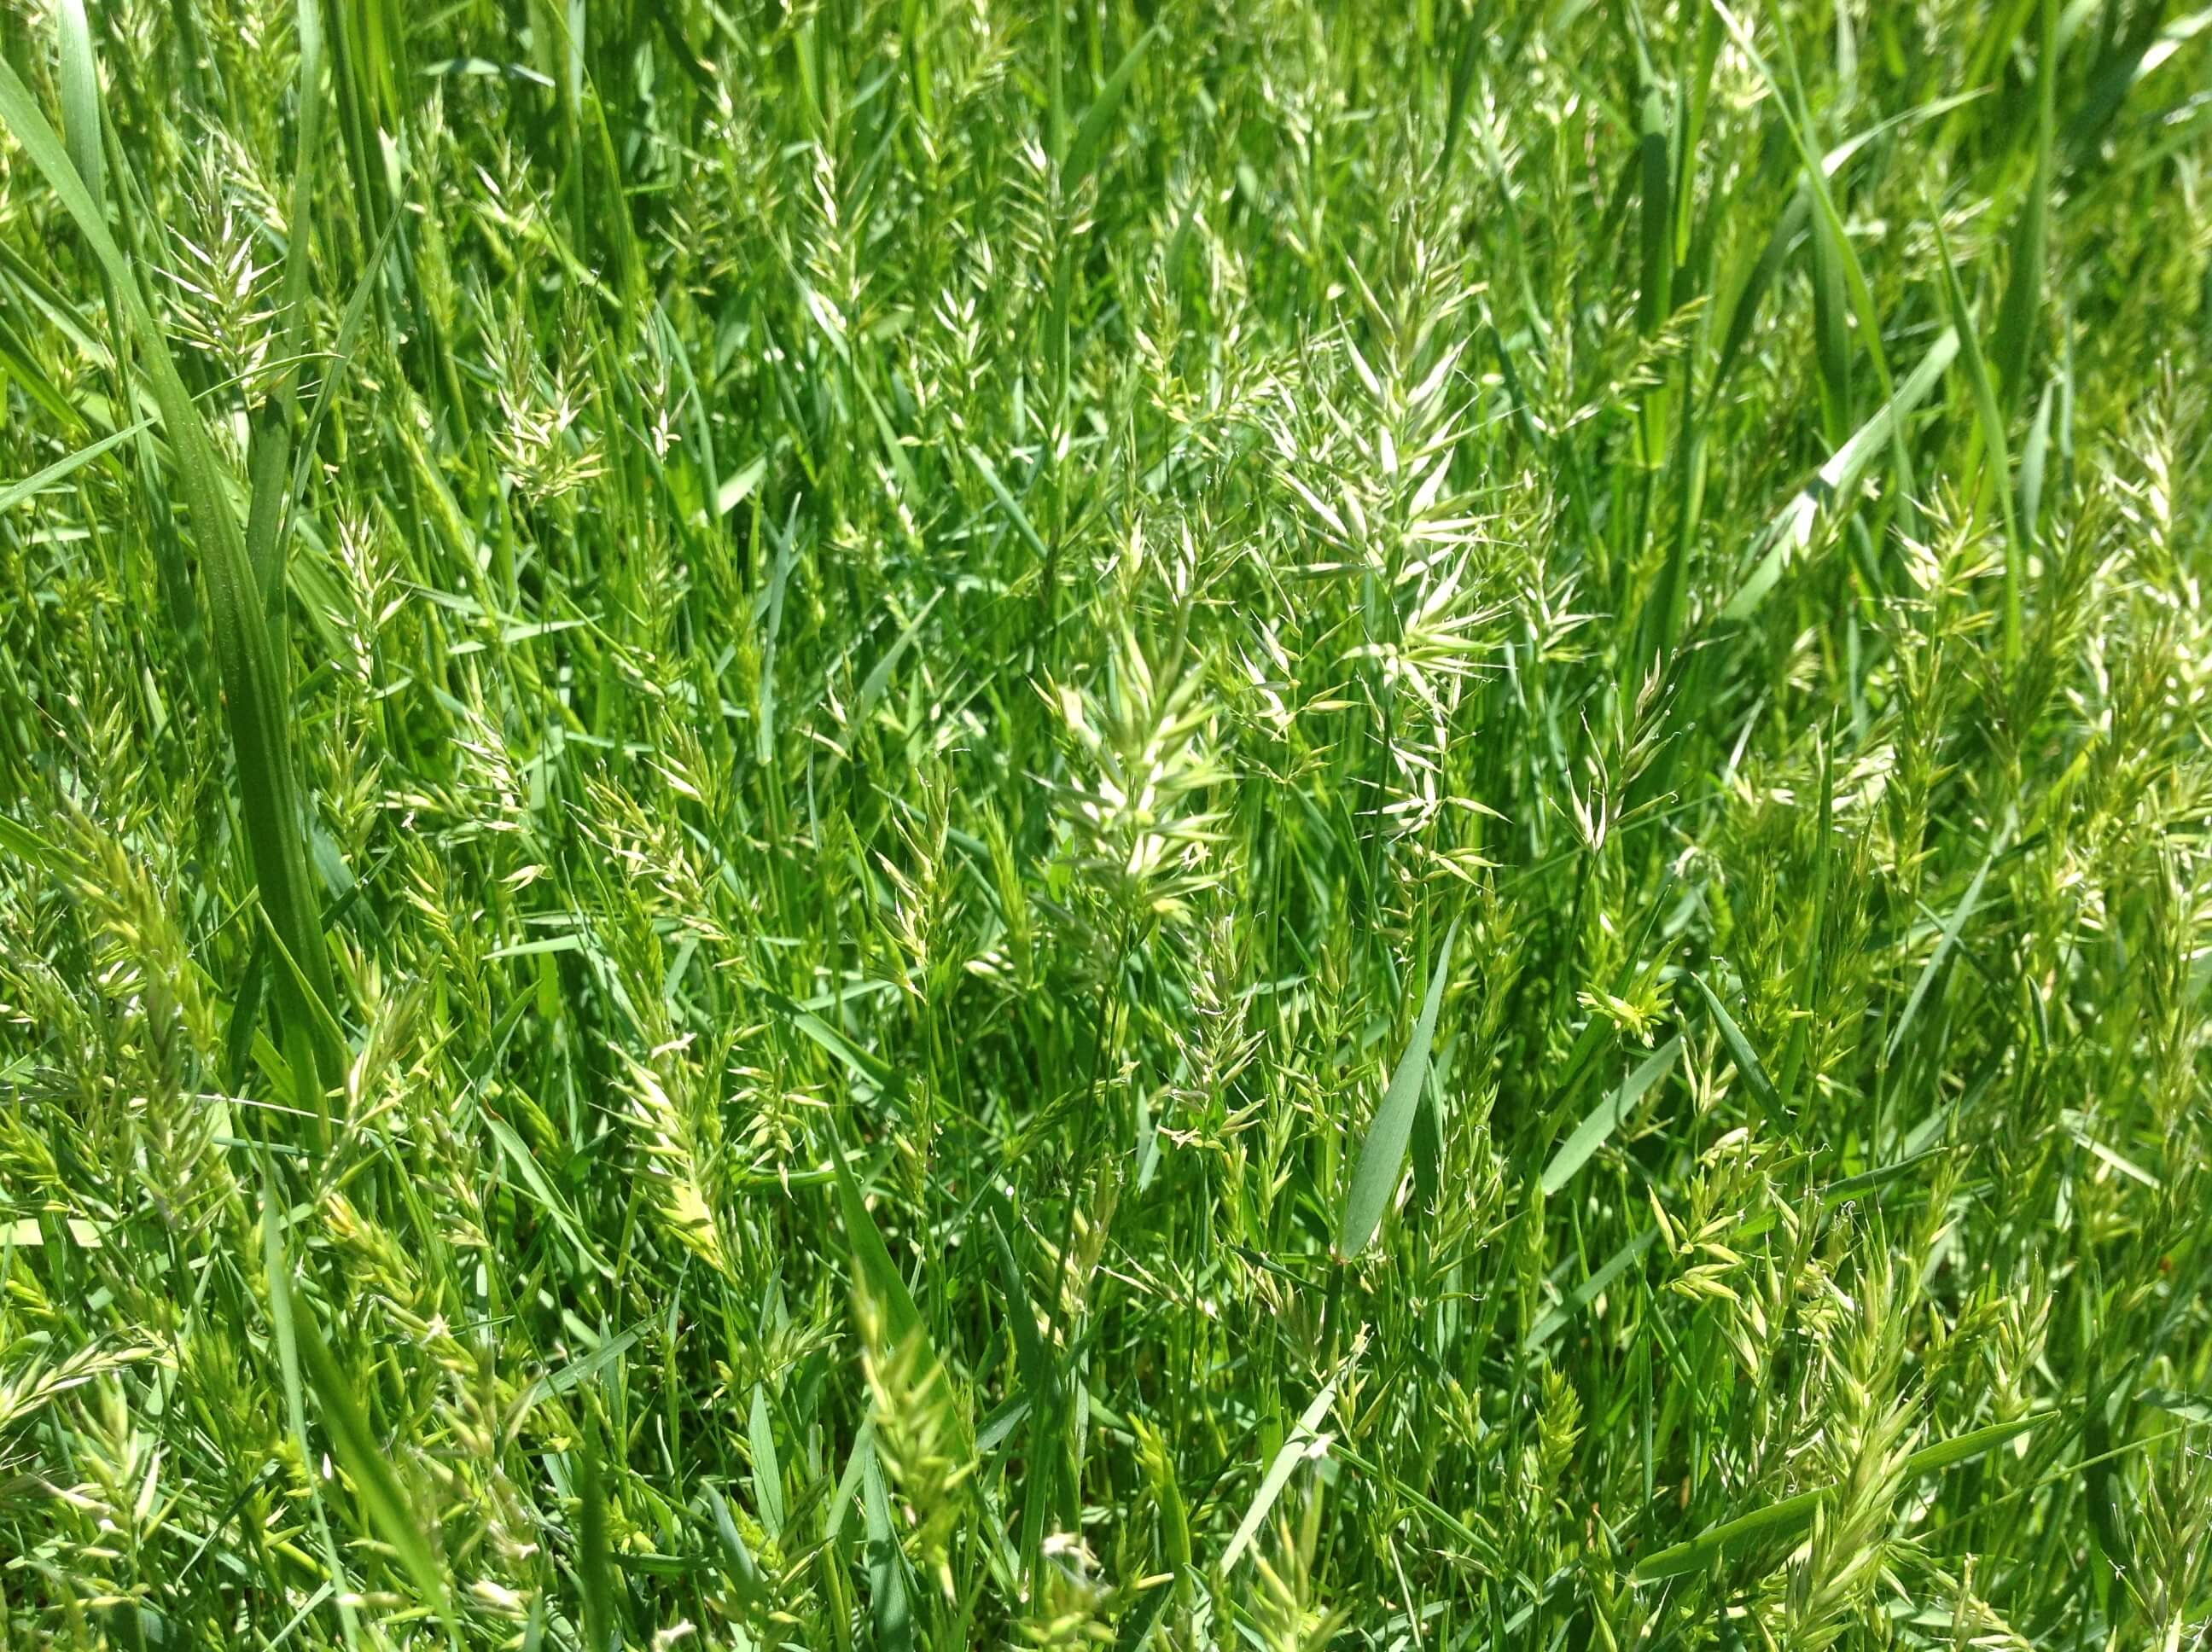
<point x="899" y="824"/>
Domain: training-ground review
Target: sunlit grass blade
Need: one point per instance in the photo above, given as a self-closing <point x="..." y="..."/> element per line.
<point x="2020" y="311"/>
<point x="1305" y="1442"/>
<point x="595" y="1571"/>
<point x="383" y="1500"/>
<point x="872" y="1268"/>
<point x="768" y="1469"/>
<point x="1948" y="938"/>
<point x="1746" y="1058"/>
<point x="1791" y="532"/>
<point x="1996" y="447"/>
<point x="1083" y="149"/>
<point x="80" y="94"/>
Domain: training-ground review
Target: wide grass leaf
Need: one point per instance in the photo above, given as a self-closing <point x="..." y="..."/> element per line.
<point x="1383" y="1154"/>
<point x="1599" y="1124"/>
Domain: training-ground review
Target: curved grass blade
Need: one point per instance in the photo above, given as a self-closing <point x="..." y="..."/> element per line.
<point x="252" y="680"/>
<point x="1083" y="149"/>
<point x="283" y="1333"/>
<point x="1305" y="1439"/>
<point x="768" y="1469"/>
<point x="595" y="1570"/>
<point x="1557" y="1318"/>
<point x="1952" y="927"/>
<point x="1606" y="1117"/>
<point x="1382" y="1154"/>
<point x="1746" y="1058"/>
<point x="382" y="1498"/>
<point x="1791" y="1513"/>
<point x="1791" y="530"/>
<point x="872" y="1267"/>
<point x="80" y="93"/>
<point x="16" y="492"/>
<point x="1996" y="449"/>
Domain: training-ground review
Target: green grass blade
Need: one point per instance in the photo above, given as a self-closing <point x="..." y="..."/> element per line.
<point x="1948" y="938"/>
<point x="1791" y="1513"/>
<point x="251" y="676"/>
<point x="80" y="93"/>
<point x="1083" y="149"/>
<point x="1965" y="1448"/>
<point x="1306" y="1442"/>
<point x="1556" y="1319"/>
<point x="1708" y="1545"/>
<point x="1599" y="1124"/>
<point x="767" y="1469"/>
<point x="872" y="1267"/>
<point x="2023" y="298"/>
<point x="595" y="1570"/>
<point x="382" y="1499"/>
<point x="1007" y="502"/>
<point x="268" y="453"/>
<point x="1746" y="1058"/>
<point x="1791" y="532"/>
<point x="1383" y="1154"/>
<point x="1040" y="1387"/>
<point x="16" y="492"/>
<point x="1996" y="447"/>
<point x="284" y="1333"/>
<point x="548" y="1197"/>
<point x="879" y="676"/>
<point x="582" y="1369"/>
<point x="889" y="1601"/>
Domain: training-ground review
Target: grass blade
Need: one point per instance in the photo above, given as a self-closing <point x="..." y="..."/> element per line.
<point x="2023" y="298"/>
<point x="1383" y="1154"/>
<point x="1996" y="450"/>
<point x="382" y="1498"/>
<point x="80" y="92"/>
<point x="1598" y="1125"/>
<point x="1791" y="531"/>
<point x="1791" y="1513"/>
<point x="1083" y="149"/>
<point x="595" y="1570"/>
<point x="1601" y="1280"/>
<point x="252" y="679"/>
<point x="767" y="1470"/>
<point x="1305" y="1441"/>
<point x="1746" y="1058"/>
<point x="16" y="492"/>
<point x="888" y="1599"/>
<point x="1948" y="938"/>
<point x="872" y="1267"/>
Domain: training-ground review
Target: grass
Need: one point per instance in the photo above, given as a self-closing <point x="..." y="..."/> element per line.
<point x="920" y="823"/>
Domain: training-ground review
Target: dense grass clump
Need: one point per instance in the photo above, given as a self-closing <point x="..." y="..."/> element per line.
<point x="939" y="824"/>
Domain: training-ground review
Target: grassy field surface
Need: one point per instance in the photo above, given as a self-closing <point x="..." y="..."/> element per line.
<point x="1181" y="823"/>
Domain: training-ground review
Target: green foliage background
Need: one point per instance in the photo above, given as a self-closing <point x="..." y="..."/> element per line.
<point x="924" y="824"/>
